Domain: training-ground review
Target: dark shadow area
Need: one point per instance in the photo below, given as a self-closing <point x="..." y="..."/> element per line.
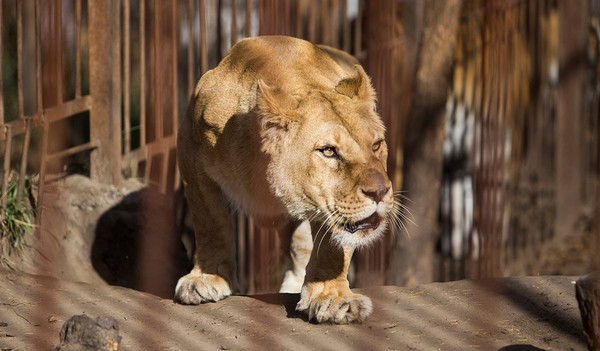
<point x="137" y="245"/>
<point x="538" y="304"/>
<point x="288" y="301"/>
<point x="520" y="347"/>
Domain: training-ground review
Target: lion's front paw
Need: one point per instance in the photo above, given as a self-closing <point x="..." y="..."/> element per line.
<point x="334" y="306"/>
<point x="292" y="283"/>
<point x="196" y="288"/>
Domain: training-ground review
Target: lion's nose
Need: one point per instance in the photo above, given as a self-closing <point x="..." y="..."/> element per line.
<point x="375" y="185"/>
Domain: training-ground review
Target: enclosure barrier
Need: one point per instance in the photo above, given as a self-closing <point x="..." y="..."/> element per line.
<point x="116" y="76"/>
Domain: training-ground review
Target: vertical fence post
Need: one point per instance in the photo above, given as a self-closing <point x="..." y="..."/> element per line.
<point x="105" y="89"/>
<point x="573" y="24"/>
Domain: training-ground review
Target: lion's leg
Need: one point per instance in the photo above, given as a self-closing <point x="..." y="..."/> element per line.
<point x="326" y="296"/>
<point x="214" y="259"/>
<point x="300" y="249"/>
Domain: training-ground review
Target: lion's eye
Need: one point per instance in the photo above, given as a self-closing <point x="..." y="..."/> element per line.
<point x="329" y="152"/>
<point x="377" y="145"/>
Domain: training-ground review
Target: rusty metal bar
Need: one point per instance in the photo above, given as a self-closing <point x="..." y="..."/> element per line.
<point x="6" y="170"/>
<point x="251" y="262"/>
<point x="127" y="77"/>
<point x="219" y="45"/>
<point x="242" y="251"/>
<point x="148" y="157"/>
<point x="262" y="5"/>
<point x="142" y="73"/>
<point x="67" y="109"/>
<point x="203" y="51"/>
<point x="358" y="30"/>
<point x="43" y="167"/>
<point x="51" y="47"/>
<point x="177" y="177"/>
<point x="78" y="48"/>
<point x="234" y="24"/>
<point x="1" y="70"/>
<point x="154" y="59"/>
<point x="299" y="19"/>
<point x="248" y="24"/>
<point x="24" y="156"/>
<point x="312" y="21"/>
<point x="325" y="37"/>
<point x="19" y="60"/>
<point x="38" y="61"/>
<point x="174" y="119"/>
<point x="19" y="125"/>
<point x="60" y="48"/>
<point x="164" y="170"/>
<point x="286" y="26"/>
<point x="346" y="25"/>
<point x="71" y="151"/>
<point x="153" y="148"/>
<point x="335" y="21"/>
<point x="190" y="52"/>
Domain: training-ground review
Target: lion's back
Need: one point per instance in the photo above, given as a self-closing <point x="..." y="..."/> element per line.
<point x="293" y="65"/>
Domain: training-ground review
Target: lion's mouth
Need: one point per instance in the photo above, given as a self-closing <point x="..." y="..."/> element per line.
<point x="371" y="222"/>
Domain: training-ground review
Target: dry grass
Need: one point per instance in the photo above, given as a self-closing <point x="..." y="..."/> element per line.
<point x="16" y="221"/>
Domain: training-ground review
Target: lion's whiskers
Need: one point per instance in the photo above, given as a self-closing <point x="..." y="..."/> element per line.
<point x="330" y="224"/>
<point x="395" y="217"/>
<point x="314" y="215"/>
<point x="326" y="218"/>
<point x="400" y="213"/>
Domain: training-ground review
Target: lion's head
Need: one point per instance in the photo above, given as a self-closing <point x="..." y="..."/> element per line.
<point x="328" y="157"/>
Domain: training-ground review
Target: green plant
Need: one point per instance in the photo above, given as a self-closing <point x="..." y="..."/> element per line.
<point x="16" y="220"/>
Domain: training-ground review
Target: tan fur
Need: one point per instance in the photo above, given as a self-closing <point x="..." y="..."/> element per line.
<point x="256" y="137"/>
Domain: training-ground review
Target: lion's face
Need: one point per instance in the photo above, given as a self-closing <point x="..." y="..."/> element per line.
<point x="331" y="165"/>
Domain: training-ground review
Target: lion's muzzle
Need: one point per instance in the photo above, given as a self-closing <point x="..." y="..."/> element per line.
<point x="375" y="184"/>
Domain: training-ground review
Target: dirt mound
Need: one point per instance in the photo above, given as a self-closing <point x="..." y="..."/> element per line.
<point x="94" y="233"/>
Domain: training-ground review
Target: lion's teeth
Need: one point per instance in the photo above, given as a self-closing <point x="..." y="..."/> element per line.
<point x="350" y="227"/>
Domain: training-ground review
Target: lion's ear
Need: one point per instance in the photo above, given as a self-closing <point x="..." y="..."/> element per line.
<point x="273" y="100"/>
<point x="275" y="108"/>
<point x="359" y="85"/>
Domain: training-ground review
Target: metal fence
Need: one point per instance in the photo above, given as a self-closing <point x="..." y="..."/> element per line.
<point x="97" y="87"/>
<point x="115" y="77"/>
<point x="522" y="118"/>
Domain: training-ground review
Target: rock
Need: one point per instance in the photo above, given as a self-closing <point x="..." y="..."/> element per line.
<point x="587" y="292"/>
<point x="81" y="332"/>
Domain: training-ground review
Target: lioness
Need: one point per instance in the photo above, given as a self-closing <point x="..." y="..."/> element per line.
<point x="284" y="129"/>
